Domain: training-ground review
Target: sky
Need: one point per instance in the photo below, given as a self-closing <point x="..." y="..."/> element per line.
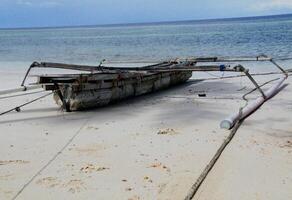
<point x="44" y="13"/>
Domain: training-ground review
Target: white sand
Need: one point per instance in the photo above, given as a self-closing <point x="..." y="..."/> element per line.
<point x="118" y="154"/>
<point x="258" y="163"/>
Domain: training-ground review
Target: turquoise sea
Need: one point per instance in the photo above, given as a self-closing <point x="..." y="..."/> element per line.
<point x="226" y="37"/>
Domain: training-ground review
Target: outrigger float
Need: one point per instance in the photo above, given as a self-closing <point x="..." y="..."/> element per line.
<point x="105" y="85"/>
<point x="100" y="85"/>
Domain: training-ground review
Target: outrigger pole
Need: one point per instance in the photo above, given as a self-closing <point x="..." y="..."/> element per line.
<point x="171" y="65"/>
<point x="244" y="112"/>
<point x="183" y="64"/>
<point x="187" y="64"/>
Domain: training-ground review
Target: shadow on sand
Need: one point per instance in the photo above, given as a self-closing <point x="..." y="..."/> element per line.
<point x="56" y="114"/>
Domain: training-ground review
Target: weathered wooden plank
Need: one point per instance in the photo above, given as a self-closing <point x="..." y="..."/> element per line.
<point x="67" y="66"/>
<point x="45" y="80"/>
<point x="50" y="87"/>
<point x="85" y="93"/>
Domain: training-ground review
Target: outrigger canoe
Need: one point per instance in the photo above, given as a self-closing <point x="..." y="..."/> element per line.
<point x="102" y="85"/>
<point x="106" y="85"/>
<point x="85" y="91"/>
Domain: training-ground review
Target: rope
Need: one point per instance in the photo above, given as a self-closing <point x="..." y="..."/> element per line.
<point x="22" y="105"/>
<point x="244" y="96"/>
<point x="211" y="164"/>
<point x="25" y="94"/>
<point x="242" y="75"/>
<point x="195" y="187"/>
<point x="55" y="156"/>
<point x="51" y="160"/>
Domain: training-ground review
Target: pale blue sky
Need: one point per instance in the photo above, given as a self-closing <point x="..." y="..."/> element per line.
<point x="39" y="13"/>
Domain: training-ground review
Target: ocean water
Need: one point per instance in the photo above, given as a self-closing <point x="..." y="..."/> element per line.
<point x="230" y="37"/>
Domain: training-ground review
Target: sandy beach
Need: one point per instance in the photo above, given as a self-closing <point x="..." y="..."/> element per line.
<point x="151" y="147"/>
<point x="145" y="100"/>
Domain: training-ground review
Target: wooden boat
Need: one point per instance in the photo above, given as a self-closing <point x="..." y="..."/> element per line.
<point x="105" y="85"/>
<point x="101" y="85"/>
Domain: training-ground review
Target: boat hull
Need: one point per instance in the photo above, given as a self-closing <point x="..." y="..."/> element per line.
<point x="87" y="95"/>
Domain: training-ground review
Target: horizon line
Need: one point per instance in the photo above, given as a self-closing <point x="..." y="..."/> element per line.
<point x="150" y="23"/>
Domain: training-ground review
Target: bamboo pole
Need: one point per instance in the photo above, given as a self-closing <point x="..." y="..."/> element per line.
<point x="20" y="89"/>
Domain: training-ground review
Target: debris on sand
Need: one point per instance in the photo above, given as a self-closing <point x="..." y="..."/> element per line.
<point x="167" y="131"/>
<point x="75" y="186"/>
<point x="92" y="128"/>
<point x="49" y="182"/>
<point x="6" y="162"/>
<point x="89" y="168"/>
<point x="129" y="189"/>
<point x="148" y="179"/>
<point x="72" y="186"/>
<point x="288" y="143"/>
<point x="159" y="165"/>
